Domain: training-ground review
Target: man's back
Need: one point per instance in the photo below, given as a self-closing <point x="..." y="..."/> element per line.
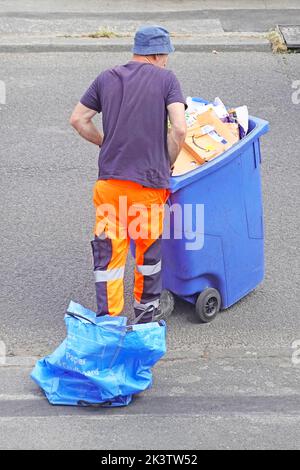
<point x="133" y="100"/>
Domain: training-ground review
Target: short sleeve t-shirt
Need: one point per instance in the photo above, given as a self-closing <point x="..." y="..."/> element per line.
<point x="133" y="99"/>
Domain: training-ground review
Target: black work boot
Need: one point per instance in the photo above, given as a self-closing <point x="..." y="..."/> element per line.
<point x="145" y="316"/>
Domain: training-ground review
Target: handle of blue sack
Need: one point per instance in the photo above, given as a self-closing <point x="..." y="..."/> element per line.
<point x="93" y="405"/>
<point x="140" y="316"/>
<point x="77" y="315"/>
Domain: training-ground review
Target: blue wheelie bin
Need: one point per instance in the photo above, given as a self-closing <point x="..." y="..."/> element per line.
<point x="231" y="262"/>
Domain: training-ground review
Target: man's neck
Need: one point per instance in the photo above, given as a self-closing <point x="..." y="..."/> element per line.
<point x="141" y="58"/>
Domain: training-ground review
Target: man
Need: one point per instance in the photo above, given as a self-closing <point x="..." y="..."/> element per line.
<point x="136" y="154"/>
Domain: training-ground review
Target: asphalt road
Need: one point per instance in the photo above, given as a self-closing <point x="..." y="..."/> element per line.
<point x="47" y="175"/>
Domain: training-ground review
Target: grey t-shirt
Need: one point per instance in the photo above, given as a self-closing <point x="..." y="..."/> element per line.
<point x="133" y="100"/>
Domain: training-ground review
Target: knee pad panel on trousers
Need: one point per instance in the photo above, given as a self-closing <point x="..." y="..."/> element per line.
<point x="151" y="282"/>
<point x="153" y="253"/>
<point x="102" y="252"/>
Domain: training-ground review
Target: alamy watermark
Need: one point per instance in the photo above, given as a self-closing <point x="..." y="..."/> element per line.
<point x="296" y="353"/>
<point x="2" y="353"/>
<point x="2" y="93"/>
<point x="140" y="221"/>
<point x="296" y="93"/>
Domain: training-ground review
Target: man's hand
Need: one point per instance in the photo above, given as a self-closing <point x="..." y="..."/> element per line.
<point x="81" y="120"/>
<point x="177" y="134"/>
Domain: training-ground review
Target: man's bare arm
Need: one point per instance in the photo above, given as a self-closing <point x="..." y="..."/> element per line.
<point x="81" y="120"/>
<point x="177" y="133"/>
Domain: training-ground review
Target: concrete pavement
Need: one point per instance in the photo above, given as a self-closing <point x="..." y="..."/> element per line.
<point x="142" y="5"/>
<point x="241" y="401"/>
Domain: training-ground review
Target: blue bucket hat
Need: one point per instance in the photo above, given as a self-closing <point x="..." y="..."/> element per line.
<point x="152" y="40"/>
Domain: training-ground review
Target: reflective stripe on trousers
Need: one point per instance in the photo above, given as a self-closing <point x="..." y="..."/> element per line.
<point x="111" y="275"/>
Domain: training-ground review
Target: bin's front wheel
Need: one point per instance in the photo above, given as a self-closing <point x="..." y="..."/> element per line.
<point x="166" y="306"/>
<point x="208" y="305"/>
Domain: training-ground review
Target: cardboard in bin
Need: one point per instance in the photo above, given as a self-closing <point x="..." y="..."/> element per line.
<point x="205" y="140"/>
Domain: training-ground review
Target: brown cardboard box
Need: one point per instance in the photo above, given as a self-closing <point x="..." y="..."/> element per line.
<point x="201" y="148"/>
<point x="185" y="162"/>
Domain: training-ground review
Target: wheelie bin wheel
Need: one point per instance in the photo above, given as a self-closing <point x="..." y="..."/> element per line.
<point x="208" y="305"/>
<point x="166" y="305"/>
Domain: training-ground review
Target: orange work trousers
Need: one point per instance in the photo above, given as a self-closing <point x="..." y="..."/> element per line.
<point x="127" y="211"/>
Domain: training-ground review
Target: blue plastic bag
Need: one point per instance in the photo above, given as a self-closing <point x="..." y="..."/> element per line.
<point x="103" y="360"/>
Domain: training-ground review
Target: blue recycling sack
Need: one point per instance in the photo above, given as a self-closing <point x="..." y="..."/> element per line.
<point x="102" y="362"/>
